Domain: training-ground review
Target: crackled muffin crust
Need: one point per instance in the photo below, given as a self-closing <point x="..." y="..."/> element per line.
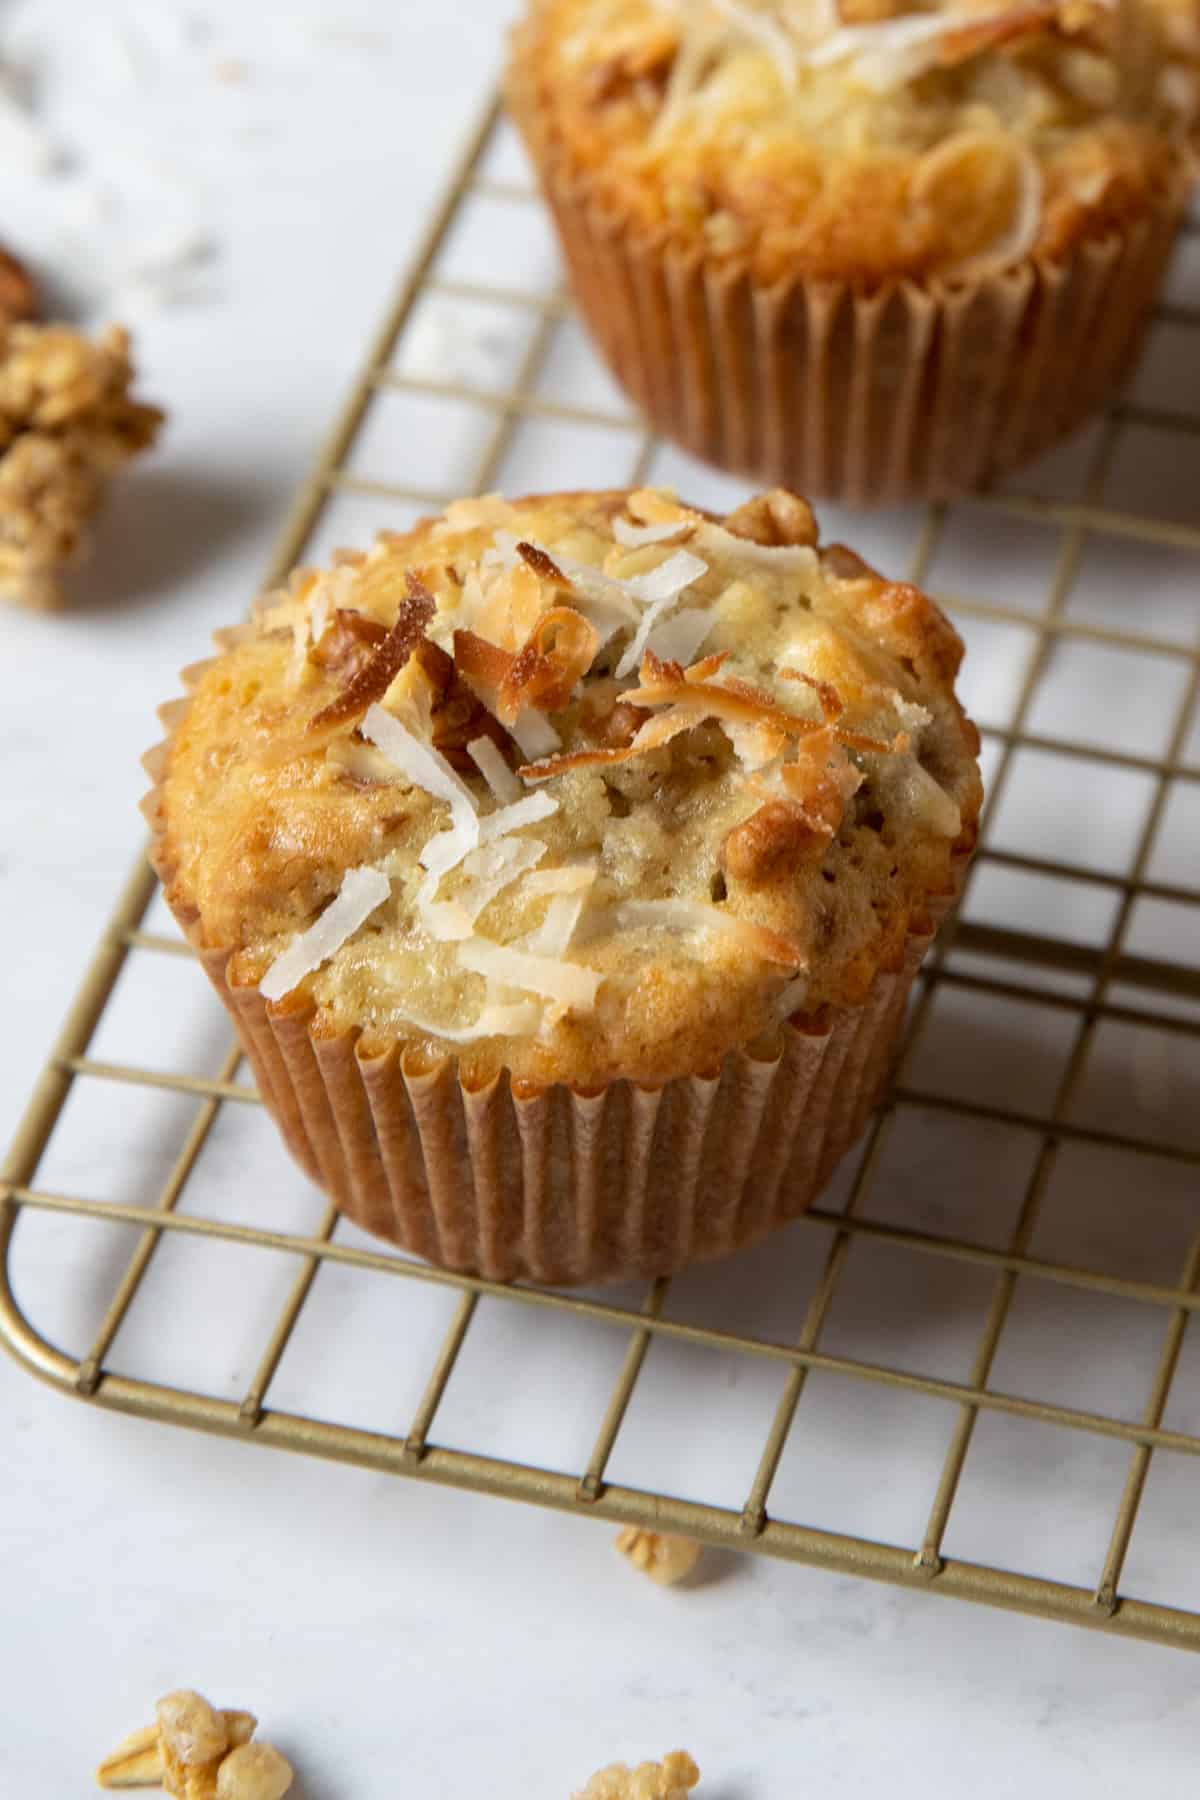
<point x="863" y="139"/>
<point x="579" y="786"/>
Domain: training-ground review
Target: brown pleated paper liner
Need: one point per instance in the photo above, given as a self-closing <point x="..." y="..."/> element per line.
<point x="914" y="391"/>
<point x="557" y="1185"/>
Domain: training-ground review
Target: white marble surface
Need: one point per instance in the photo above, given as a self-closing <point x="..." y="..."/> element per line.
<point x="395" y="1638"/>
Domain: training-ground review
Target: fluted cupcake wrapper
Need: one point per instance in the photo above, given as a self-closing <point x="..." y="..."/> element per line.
<point x="558" y="1185"/>
<point x="913" y="391"/>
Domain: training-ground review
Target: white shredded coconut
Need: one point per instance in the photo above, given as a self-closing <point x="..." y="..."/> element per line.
<point x="671" y="577"/>
<point x="495" y="1020"/>
<point x="553" y="936"/>
<point x="566" y="983"/>
<point x="487" y="872"/>
<point x="502" y="781"/>
<point x="678" y="639"/>
<point x="635" y="537"/>
<point x="361" y="892"/>
<point x="428" y="769"/>
<point x="567" y="879"/>
<point x="534" y="735"/>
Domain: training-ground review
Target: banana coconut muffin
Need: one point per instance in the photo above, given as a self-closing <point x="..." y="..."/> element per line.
<point x="564" y="864"/>
<point x="871" y="249"/>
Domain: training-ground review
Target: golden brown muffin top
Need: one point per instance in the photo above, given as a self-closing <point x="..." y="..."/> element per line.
<point x="864" y="139"/>
<point x="581" y="786"/>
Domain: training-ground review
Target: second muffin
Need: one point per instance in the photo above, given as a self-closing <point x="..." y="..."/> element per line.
<point x="877" y="251"/>
<point x="565" y="864"/>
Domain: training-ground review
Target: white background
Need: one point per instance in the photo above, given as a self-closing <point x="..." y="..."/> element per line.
<point x="395" y="1639"/>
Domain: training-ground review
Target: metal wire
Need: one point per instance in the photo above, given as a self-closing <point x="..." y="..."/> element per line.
<point x="1097" y="972"/>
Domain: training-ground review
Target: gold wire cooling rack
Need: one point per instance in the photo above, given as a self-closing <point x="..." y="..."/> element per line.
<point x="984" y="1319"/>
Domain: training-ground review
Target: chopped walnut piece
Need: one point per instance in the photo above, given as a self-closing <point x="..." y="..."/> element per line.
<point x="196" y="1752"/>
<point x="349" y="638"/>
<point x="557" y="654"/>
<point x="663" y="1558"/>
<point x="671" y="1779"/>
<point x="774" y="519"/>
<point x="66" y="423"/>
<point x="781" y="830"/>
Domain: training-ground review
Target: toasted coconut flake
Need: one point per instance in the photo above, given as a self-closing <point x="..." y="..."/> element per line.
<point x="556" y="656"/>
<point x="565" y="983"/>
<point x="547" y="767"/>
<point x="346" y="636"/>
<point x="486" y="755"/>
<point x="361" y="892"/>
<point x="542" y="564"/>
<point x="653" y="735"/>
<point x="373" y="680"/>
<point x="732" y="700"/>
<point x="828" y="696"/>
<point x="696" y="915"/>
<point x="484" y="664"/>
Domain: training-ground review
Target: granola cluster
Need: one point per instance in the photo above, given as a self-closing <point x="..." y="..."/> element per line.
<point x="195" y="1752"/>
<point x="67" y="422"/>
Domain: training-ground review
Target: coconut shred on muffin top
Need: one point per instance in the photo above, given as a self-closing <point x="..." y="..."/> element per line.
<point x="868" y="140"/>
<point x="581" y="787"/>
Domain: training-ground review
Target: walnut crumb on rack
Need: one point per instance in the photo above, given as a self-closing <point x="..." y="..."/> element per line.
<point x="67" y="422"/>
<point x="671" y="1779"/>
<point x="196" y="1752"/>
<point x="663" y="1558"/>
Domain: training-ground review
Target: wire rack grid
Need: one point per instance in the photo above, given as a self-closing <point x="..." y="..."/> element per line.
<point x="962" y="1370"/>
